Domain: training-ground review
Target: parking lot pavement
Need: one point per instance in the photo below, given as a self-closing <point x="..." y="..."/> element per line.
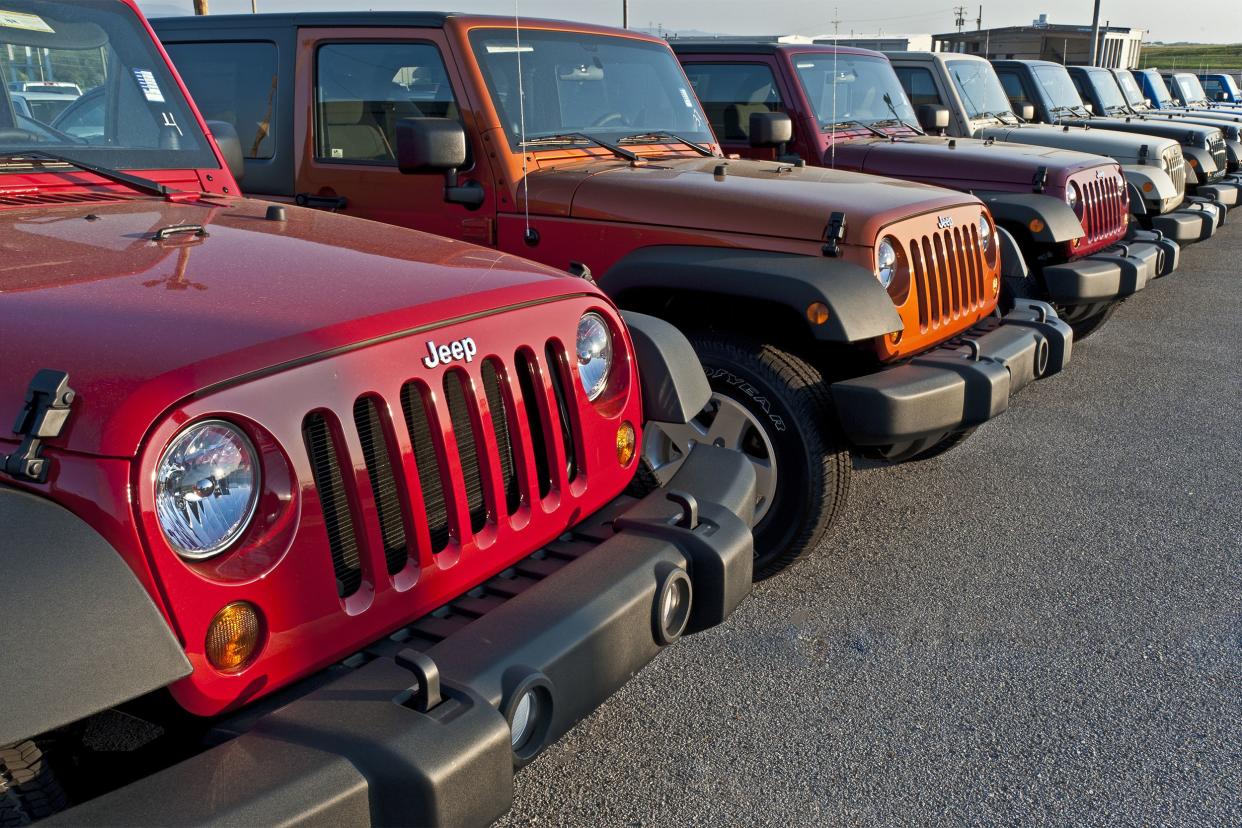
<point x="1042" y="626"/>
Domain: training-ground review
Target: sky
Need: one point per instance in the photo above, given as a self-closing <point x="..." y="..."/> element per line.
<point x="1207" y="21"/>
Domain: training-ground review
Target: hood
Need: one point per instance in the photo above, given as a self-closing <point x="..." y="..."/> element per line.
<point x="974" y="164"/>
<point x="752" y="197"/>
<point x="1191" y="134"/>
<point x="1124" y="147"/>
<point x="140" y="324"/>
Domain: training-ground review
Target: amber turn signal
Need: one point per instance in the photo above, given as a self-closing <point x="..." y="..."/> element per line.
<point x="234" y="636"/>
<point x="1036" y="225"/>
<point x="626" y="442"/>
<point x="1194" y="162"/>
<point x="1148" y="186"/>
<point x="817" y="313"/>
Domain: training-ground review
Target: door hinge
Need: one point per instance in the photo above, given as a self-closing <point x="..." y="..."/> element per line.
<point x="47" y="408"/>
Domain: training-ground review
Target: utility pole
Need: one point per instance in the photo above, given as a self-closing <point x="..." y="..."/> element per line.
<point x="960" y="13"/>
<point x="200" y="7"/>
<point x="625" y="14"/>
<point x="979" y="20"/>
<point x="1095" y="33"/>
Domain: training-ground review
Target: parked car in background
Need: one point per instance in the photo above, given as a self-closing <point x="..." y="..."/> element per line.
<point x="982" y="105"/>
<point x="1220" y="86"/>
<point x="1187" y="91"/>
<point x="829" y="308"/>
<point x="43" y="107"/>
<point x="46" y="87"/>
<point x="1065" y="214"/>
<point x="305" y="517"/>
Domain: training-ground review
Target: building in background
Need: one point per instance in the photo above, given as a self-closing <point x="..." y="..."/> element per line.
<point x="1120" y="46"/>
<point x="880" y="43"/>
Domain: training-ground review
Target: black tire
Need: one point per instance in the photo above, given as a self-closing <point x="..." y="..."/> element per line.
<point x="29" y="787"/>
<point x="789" y="397"/>
<point x="947" y="444"/>
<point x="1083" y="328"/>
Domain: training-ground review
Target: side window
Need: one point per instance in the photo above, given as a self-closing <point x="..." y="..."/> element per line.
<point x="363" y="89"/>
<point x="919" y="84"/>
<point x="234" y="82"/>
<point x="1082" y="85"/>
<point x="1213" y="88"/>
<point x="731" y="92"/>
<point x="1013" y="88"/>
<point x="84" y="118"/>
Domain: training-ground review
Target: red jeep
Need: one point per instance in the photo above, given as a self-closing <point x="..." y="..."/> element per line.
<point x="1064" y="215"/>
<point x="832" y="310"/>
<point x="307" y="517"/>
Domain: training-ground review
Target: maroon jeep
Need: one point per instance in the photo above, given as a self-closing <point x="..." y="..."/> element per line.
<point x="1066" y="213"/>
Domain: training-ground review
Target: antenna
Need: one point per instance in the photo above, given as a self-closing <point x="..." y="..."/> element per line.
<point x="527" y="236"/>
<point x="836" y="31"/>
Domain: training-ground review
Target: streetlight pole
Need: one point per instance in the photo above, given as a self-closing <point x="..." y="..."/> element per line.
<point x="625" y="14"/>
<point x="200" y="7"/>
<point x="1095" y="33"/>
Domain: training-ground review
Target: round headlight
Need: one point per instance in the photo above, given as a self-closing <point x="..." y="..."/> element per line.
<point x="206" y="488"/>
<point x="885" y="261"/>
<point x="594" y="350"/>
<point x="1071" y="197"/>
<point x="986" y="241"/>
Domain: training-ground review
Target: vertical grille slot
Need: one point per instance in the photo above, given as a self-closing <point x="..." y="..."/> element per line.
<point x="556" y="367"/>
<point x="919" y="272"/>
<point x="418" y="422"/>
<point x="528" y="381"/>
<point x="500" y="426"/>
<point x="933" y="288"/>
<point x="467" y="447"/>
<point x="333" y="503"/>
<point x="376" y="454"/>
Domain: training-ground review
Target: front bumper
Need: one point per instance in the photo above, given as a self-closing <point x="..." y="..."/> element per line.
<point x="1196" y="220"/>
<point x="1225" y="191"/>
<point x="1110" y="274"/>
<point x="904" y="410"/>
<point x="373" y="741"/>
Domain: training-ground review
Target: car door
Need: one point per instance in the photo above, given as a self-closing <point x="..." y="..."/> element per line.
<point x="353" y="87"/>
<point x="730" y="91"/>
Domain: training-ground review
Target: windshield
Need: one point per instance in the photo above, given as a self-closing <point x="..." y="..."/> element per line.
<point x="1158" y="88"/>
<point x="1057" y="86"/>
<point x="980" y="89"/>
<point x="1227" y="82"/>
<point x="132" y="114"/>
<point x="866" y="89"/>
<point x="615" y="88"/>
<point x="1107" y="89"/>
<point x="1134" y="95"/>
<point x="1192" y="90"/>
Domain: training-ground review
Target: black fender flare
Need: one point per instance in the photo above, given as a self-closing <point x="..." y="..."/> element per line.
<point x="673" y="384"/>
<point x="70" y="605"/>
<point x="859" y="308"/>
<point x="1138" y="207"/>
<point x="1060" y="222"/>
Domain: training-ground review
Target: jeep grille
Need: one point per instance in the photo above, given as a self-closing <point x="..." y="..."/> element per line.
<point x="1216" y="146"/>
<point x="528" y="401"/>
<point x="948" y="274"/>
<point x="1177" y="168"/>
<point x="1104" y="205"/>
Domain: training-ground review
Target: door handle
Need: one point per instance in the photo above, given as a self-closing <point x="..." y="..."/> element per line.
<point x="329" y="203"/>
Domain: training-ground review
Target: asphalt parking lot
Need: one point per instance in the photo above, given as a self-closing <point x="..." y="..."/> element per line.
<point x="1042" y="626"/>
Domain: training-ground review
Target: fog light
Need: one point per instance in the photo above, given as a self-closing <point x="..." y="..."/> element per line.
<point x="625" y="444"/>
<point x="895" y="337"/>
<point x="524" y="716"/>
<point x="233" y="637"/>
<point x="1036" y="225"/>
<point x="817" y="313"/>
<point x="672" y="605"/>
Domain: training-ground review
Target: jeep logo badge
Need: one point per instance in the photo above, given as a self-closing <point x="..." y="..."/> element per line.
<point x="944" y="222"/>
<point x="1102" y="173"/>
<point x="455" y="351"/>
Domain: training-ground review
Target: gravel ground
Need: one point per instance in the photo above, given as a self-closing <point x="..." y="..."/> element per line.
<point x="1043" y="626"/>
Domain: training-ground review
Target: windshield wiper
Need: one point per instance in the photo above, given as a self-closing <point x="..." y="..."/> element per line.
<point x="564" y="138"/>
<point x="660" y="133"/>
<point x="135" y="181"/>
<point x="868" y="127"/>
<point x="888" y="101"/>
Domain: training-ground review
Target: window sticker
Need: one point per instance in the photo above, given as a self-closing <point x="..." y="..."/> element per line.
<point x="685" y="97"/>
<point x="147" y="83"/>
<point x="21" y="20"/>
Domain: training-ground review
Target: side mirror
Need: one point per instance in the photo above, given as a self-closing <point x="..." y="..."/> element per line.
<point x="437" y="145"/>
<point x="933" y="117"/>
<point x="1147" y="101"/>
<point x="1027" y="112"/>
<point x="770" y="129"/>
<point x="1090" y="107"/>
<point x="230" y="147"/>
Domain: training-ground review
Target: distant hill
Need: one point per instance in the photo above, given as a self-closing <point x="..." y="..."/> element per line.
<point x="1194" y="56"/>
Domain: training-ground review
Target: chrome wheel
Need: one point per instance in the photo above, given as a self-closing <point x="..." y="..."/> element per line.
<point x="724" y="423"/>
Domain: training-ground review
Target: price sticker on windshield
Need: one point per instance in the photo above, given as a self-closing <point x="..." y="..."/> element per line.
<point x="21" y="20"/>
<point x="149" y="86"/>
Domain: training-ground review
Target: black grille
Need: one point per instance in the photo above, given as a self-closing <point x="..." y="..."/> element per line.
<point x="375" y="452"/>
<point x="500" y="425"/>
<point x="333" y="502"/>
<point x="528" y="380"/>
<point x="557" y="368"/>
<point x="467" y="447"/>
<point x="434" y="506"/>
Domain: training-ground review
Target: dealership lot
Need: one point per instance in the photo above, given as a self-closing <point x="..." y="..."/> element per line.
<point x="1043" y="625"/>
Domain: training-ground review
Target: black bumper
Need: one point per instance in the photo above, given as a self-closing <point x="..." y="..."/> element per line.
<point x="906" y="409"/>
<point x="1110" y="274"/>
<point x="1196" y="220"/>
<point x="1226" y="190"/>
<point x="363" y="744"/>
